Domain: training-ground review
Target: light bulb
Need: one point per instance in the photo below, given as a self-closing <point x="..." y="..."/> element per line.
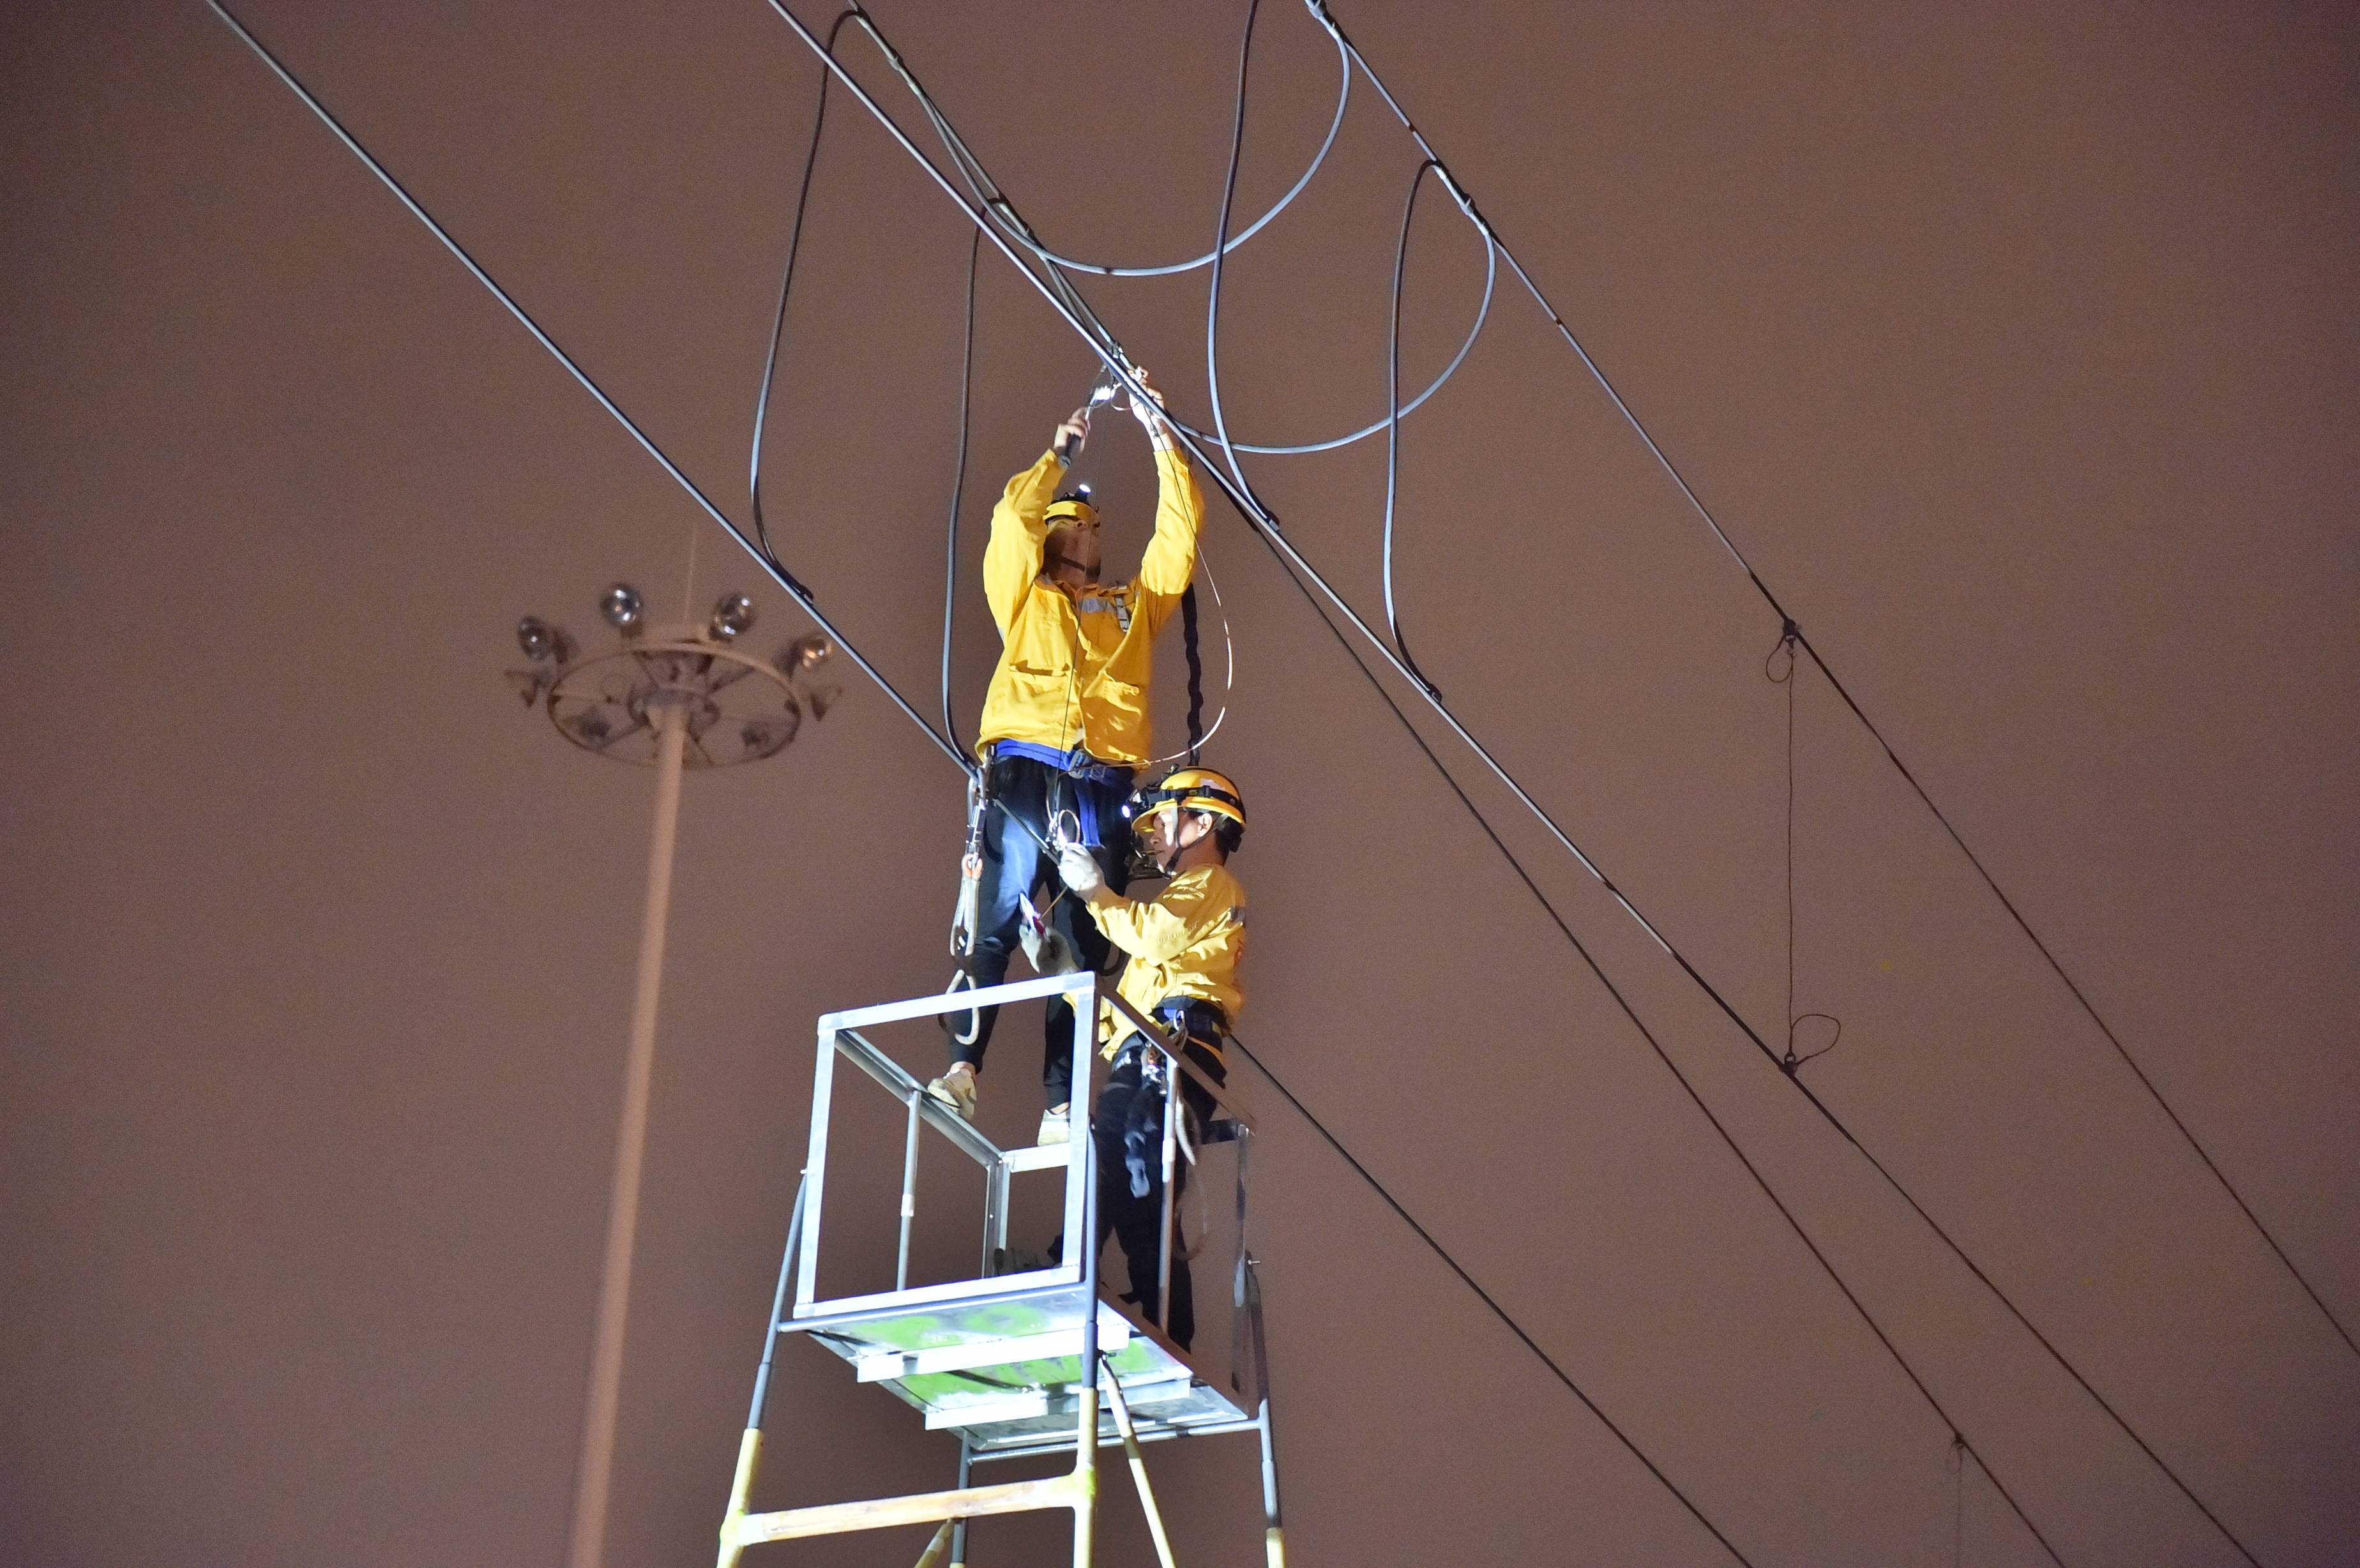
<point x="807" y="653"/>
<point x="733" y="613"/>
<point x="621" y="606"/>
<point x="539" y="642"/>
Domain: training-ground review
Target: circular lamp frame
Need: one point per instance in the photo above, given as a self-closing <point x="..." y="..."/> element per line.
<point x="739" y="708"/>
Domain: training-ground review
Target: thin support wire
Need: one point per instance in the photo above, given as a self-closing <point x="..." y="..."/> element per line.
<point x="1704" y="514"/>
<point x="777" y="572"/>
<point x="1265" y="525"/>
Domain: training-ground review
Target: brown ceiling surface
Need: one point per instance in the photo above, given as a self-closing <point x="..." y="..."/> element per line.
<point x="2013" y="344"/>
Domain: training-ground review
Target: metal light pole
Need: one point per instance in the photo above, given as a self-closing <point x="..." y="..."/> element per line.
<point x="672" y="697"/>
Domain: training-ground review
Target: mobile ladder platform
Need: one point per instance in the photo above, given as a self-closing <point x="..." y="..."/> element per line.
<point x="1013" y="1361"/>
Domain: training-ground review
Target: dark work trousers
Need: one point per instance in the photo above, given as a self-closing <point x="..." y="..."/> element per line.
<point x="1128" y="1124"/>
<point x="1024" y="794"/>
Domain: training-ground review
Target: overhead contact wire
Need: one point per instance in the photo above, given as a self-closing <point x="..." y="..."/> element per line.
<point x="1671" y="471"/>
<point x="1094" y="334"/>
<point x="802" y="597"/>
<point x="1523" y="1336"/>
<point x="1077" y="314"/>
<point x="777" y="573"/>
<point x="1075" y="317"/>
<point x="1622" y="1003"/>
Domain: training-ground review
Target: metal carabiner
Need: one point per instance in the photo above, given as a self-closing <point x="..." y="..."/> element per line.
<point x="965" y="913"/>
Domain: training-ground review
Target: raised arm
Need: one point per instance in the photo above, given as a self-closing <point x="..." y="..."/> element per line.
<point x="1171" y="557"/>
<point x="1012" y="559"/>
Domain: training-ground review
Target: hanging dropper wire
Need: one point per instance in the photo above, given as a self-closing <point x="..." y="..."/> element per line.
<point x="1779" y="667"/>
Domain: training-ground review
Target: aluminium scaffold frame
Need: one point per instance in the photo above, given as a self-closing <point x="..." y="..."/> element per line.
<point x="1013" y="1362"/>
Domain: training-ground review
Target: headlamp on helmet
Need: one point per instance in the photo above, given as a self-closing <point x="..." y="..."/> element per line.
<point x="1072" y="509"/>
<point x="1191" y="790"/>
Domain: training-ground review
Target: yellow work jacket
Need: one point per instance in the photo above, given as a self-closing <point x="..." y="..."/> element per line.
<point x="1074" y="672"/>
<point x="1187" y="941"/>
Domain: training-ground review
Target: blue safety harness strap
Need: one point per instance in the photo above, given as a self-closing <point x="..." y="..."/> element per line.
<point x="1092" y="808"/>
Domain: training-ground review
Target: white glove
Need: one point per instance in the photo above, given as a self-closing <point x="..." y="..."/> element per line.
<point x="1079" y="870"/>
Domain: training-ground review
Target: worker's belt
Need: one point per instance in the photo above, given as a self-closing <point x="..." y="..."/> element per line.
<point x="1097" y="810"/>
<point x="1190" y="1018"/>
<point x="1078" y="763"/>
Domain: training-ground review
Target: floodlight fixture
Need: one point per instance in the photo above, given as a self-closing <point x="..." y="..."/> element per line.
<point x="674" y="697"/>
<point x="622" y="606"/>
<point x="732" y="615"/>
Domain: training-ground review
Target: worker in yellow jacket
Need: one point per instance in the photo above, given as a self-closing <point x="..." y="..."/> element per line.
<point x="1064" y="724"/>
<point x="1185" y="946"/>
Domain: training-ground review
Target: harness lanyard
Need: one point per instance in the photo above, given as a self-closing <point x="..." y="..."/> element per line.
<point x="968" y="915"/>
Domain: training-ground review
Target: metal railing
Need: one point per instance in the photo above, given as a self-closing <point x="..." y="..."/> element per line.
<point x="841" y="1037"/>
<point x="1070" y="1285"/>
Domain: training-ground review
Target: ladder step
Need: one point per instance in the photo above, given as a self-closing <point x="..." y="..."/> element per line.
<point x="924" y="1508"/>
<point x="1146" y="1401"/>
<point x="878" y="1367"/>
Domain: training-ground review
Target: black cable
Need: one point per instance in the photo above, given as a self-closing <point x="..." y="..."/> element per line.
<point x="1394" y="411"/>
<point x="1489" y="1300"/>
<point x="2086" y="1004"/>
<point x="1565" y="930"/>
<point x="779" y="322"/>
<point x="1065" y="297"/>
<point x="1392" y="420"/>
<point x="1326" y="19"/>
<point x="777" y="572"/>
<point x="1958" y="1503"/>
<point x="1009" y="225"/>
<point x="1781" y="672"/>
<point x="1195" y="671"/>
<point x="958" y="478"/>
<point x="1220" y="246"/>
<point x="1264" y="524"/>
<point x="803" y="599"/>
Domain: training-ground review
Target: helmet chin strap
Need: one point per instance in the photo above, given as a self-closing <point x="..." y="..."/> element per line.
<point x="1173" y="859"/>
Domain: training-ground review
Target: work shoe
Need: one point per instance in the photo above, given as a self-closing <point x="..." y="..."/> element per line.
<point x="956" y="1089"/>
<point x="1054" y="1126"/>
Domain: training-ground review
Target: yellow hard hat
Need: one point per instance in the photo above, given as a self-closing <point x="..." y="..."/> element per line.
<point x="1191" y="790"/>
<point x="1072" y="509"/>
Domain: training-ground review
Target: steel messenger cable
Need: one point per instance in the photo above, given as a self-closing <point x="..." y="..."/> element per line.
<point x="1221" y="248"/>
<point x="997" y="207"/>
<point x="786" y="580"/>
<point x="1956" y="1439"/>
<point x="1326" y="19"/>
<point x="1197" y="732"/>
<point x="1009" y="220"/>
<point x="1266" y="525"/>
<point x="794" y="589"/>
